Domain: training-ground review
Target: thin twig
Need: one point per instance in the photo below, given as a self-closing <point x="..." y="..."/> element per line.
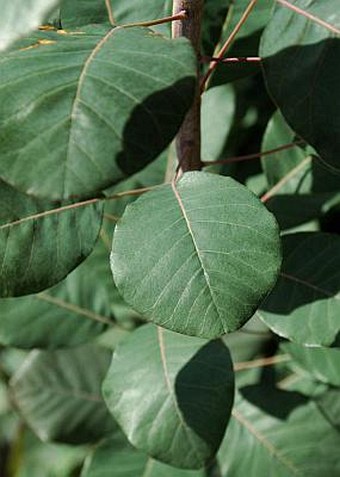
<point x="259" y="363"/>
<point x="274" y="190"/>
<point x="310" y="16"/>
<point x="227" y="43"/>
<point x="182" y="15"/>
<point x="256" y="155"/>
<point x="110" y="12"/>
<point x="240" y="59"/>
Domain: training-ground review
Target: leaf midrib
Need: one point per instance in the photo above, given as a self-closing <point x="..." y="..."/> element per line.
<point x="206" y="276"/>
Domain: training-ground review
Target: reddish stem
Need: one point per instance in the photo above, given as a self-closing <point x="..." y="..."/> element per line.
<point x="256" y="155"/>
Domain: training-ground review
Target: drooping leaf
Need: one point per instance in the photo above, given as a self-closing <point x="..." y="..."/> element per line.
<point x="196" y="257"/>
<point x="116" y="457"/>
<point x="58" y="394"/>
<point x="304" y="305"/>
<point x="107" y="102"/>
<point x="76" y="310"/>
<point x="19" y="17"/>
<point x="322" y="364"/>
<point x="300" y="54"/>
<point x="278" y="433"/>
<point x="41" y="241"/>
<point x="218" y="108"/>
<point x="177" y="399"/>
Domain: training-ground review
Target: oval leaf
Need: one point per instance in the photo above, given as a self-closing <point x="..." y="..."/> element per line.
<point x="177" y="400"/>
<point x="301" y="50"/>
<point x="304" y="305"/>
<point x="58" y="394"/>
<point x="41" y="242"/>
<point x="107" y="102"/>
<point x="196" y="257"/>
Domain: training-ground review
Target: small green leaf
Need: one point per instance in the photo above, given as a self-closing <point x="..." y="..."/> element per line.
<point x="41" y="241"/>
<point x="322" y="364"/>
<point x="108" y="102"/>
<point x="177" y="399"/>
<point x="19" y="17"/>
<point x="196" y="257"/>
<point x="304" y="306"/>
<point x="58" y="394"/>
<point x="301" y="67"/>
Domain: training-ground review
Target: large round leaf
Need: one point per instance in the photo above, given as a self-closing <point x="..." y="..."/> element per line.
<point x="177" y="399"/>
<point x="41" y="241"/>
<point x="304" y="305"/>
<point x="302" y="70"/>
<point x="19" y="17"/>
<point x="74" y="311"/>
<point x="196" y="257"/>
<point x="58" y="394"/>
<point x="278" y="433"/>
<point x="115" y="457"/>
<point x="83" y="110"/>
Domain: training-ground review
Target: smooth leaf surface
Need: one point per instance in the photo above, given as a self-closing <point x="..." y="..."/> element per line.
<point x="78" y="309"/>
<point x="116" y="457"/>
<point x="304" y="305"/>
<point x="301" y="188"/>
<point x="176" y="403"/>
<point x="322" y="364"/>
<point x="278" y="433"/>
<point x="218" y="108"/>
<point x="302" y="72"/>
<point x="41" y="241"/>
<point x="19" y="17"/>
<point x="58" y="394"/>
<point x="107" y="102"/>
<point x="82" y="12"/>
<point x="196" y="257"/>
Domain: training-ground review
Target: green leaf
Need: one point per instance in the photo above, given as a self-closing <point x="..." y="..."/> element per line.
<point x="58" y="394"/>
<point x="107" y="102"/>
<point x="116" y="457"/>
<point x="300" y="54"/>
<point x="218" y="108"/>
<point x="41" y="242"/>
<point x="19" y="17"/>
<point x="46" y="460"/>
<point x="304" y="306"/>
<point x="278" y="433"/>
<point x="196" y="257"/>
<point x="82" y="12"/>
<point x="78" y="309"/>
<point x="301" y="187"/>
<point x="138" y="10"/>
<point x="177" y="401"/>
<point x="321" y="363"/>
